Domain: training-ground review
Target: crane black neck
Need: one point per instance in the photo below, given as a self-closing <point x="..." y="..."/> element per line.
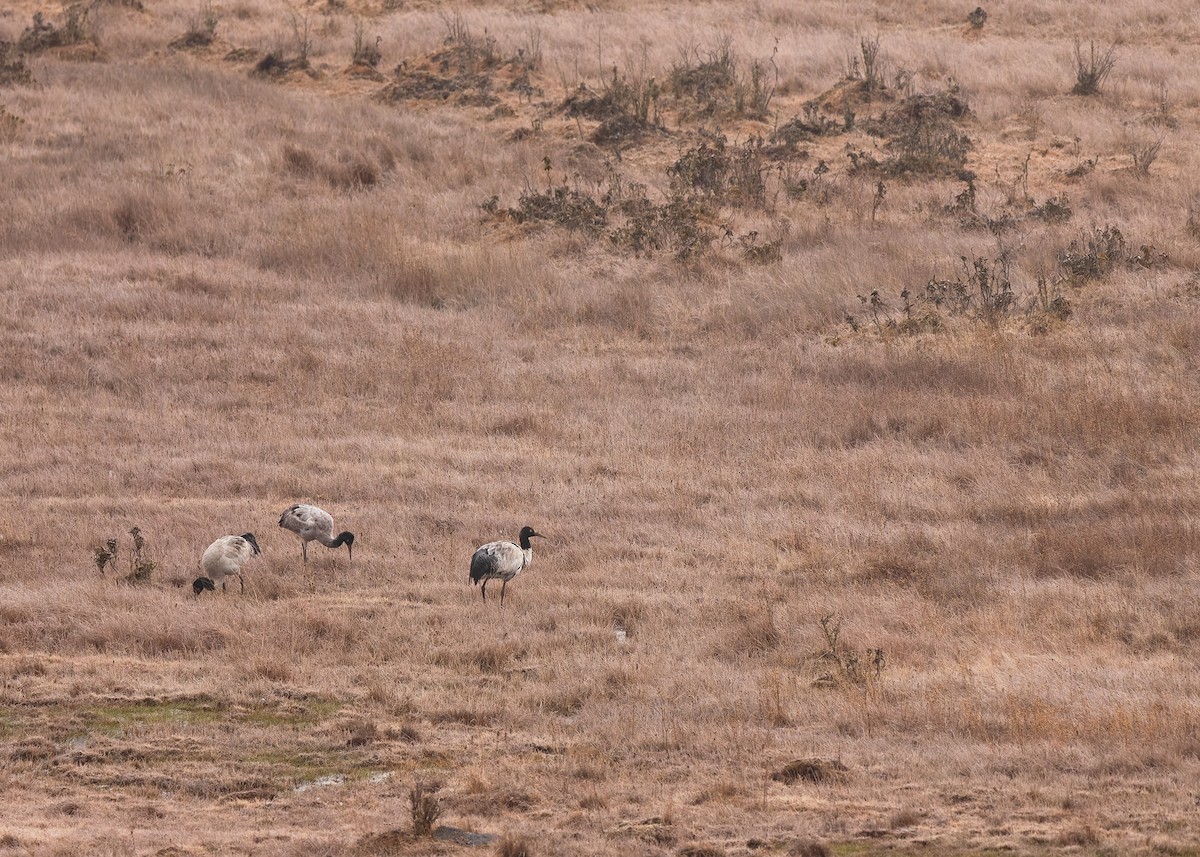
<point x="524" y="541"/>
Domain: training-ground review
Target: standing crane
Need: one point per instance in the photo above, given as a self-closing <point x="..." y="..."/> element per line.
<point x="504" y="560"/>
<point x="313" y="524"/>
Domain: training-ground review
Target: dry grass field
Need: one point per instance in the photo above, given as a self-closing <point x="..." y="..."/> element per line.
<point x="849" y="360"/>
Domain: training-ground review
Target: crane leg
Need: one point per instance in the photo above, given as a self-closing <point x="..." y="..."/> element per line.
<point x="304" y="548"/>
<point x="484" y="590"/>
<point x="222" y="584"/>
<point x="242" y="581"/>
<point x="503" y="586"/>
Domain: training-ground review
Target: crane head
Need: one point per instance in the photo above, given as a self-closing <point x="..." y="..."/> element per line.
<point x="200" y="584"/>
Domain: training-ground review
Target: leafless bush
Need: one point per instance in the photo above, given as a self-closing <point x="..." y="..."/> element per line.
<point x="1092" y="69"/>
<point x="1143" y="151"/>
<point x="424" y="808"/>
<point x="867" y="65"/>
<point x="201" y="29"/>
<point x="75" y="28"/>
<point x="365" y="53"/>
<point x="977" y="18"/>
<point x="755" y="92"/>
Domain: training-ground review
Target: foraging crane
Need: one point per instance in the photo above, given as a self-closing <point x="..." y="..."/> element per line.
<point x="226" y="556"/>
<point x="504" y="560"/>
<point x="313" y="524"/>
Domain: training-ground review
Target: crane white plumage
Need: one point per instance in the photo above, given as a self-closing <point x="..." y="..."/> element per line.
<point x="504" y="560"/>
<point x="225" y="557"/>
<point x="313" y="524"/>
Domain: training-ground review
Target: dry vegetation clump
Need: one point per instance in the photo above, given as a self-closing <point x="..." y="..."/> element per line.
<point x="1092" y="69"/>
<point x="13" y="69"/>
<point x="75" y="28"/>
<point x="201" y="30"/>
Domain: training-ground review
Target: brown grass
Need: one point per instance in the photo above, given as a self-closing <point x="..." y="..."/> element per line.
<point x="226" y="292"/>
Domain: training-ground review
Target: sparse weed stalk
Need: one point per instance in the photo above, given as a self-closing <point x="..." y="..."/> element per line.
<point x="754" y="94"/>
<point x="300" y="24"/>
<point x="105" y="555"/>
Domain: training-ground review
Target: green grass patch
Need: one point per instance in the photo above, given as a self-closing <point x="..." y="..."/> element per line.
<point x="120" y="716"/>
<point x="306" y="713"/>
<point x="297" y="766"/>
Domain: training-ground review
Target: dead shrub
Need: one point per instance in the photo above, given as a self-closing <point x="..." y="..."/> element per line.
<point x="169" y="640"/>
<point x="25" y="666"/>
<point x="365" y="52"/>
<point x="1142" y="150"/>
<point x="706" y="78"/>
<point x="1092" y="69"/>
<point x="1093" y="254"/>
<point x="424" y="809"/>
<point x="922" y="136"/>
<point x="13" y="69"/>
<point x="627" y="108"/>
<point x="74" y="28"/>
<point x="201" y="30"/>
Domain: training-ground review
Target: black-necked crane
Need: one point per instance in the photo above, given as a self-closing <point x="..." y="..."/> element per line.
<point x="504" y="560"/>
<point x="314" y="525"/>
<point x="225" y="557"/>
